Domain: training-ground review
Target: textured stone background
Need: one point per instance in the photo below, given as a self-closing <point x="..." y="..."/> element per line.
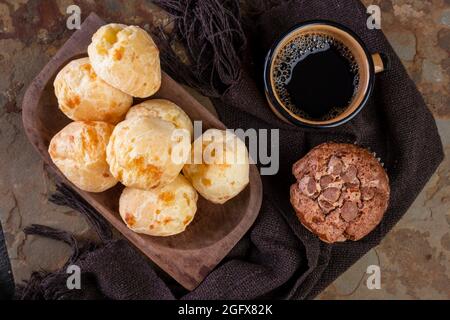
<point x="414" y="258"/>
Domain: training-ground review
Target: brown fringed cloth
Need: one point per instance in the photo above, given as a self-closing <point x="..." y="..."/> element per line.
<point x="278" y="257"/>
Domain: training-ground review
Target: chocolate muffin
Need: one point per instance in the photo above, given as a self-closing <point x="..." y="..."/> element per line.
<point x="341" y="193"/>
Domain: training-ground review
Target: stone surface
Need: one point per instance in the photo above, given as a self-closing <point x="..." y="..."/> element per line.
<point x="444" y="17"/>
<point x="404" y="43"/>
<point x="418" y="31"/>
<point x="431" y="72"/>
<point x="413" y="258"/>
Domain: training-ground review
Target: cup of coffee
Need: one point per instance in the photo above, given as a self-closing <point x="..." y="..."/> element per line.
<point x="319" y="74"/>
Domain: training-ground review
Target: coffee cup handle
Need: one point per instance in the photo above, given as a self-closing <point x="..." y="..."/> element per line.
<point x="380" y="62"/>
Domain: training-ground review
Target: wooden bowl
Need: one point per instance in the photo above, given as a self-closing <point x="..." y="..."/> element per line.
<point x="188" y="257"/>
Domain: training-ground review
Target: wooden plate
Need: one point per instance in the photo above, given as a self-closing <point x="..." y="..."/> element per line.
<point x="188" y="257"/>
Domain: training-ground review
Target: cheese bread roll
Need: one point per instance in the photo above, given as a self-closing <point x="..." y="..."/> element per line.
<point x="83" y="96"/>
<point x="147" y="152"/>
<point x="219" y="167"/>
<point x="127" y="58"/>
<point x="163" y="211"/>
<point x="79" y="151"/>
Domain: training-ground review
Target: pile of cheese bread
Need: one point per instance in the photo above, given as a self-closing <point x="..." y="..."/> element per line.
<point x="147" y="147"/>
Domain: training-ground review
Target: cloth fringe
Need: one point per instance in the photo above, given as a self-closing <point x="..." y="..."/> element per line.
<point x="65" y="196"/>
<point x="35" y="288"/>
<point x="55" y="234"/>
<point x="213" y="39"/>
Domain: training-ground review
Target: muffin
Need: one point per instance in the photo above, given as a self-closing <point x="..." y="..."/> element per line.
<point x="341" y="193"/>
<point x="83" y="96"/>
<point x="145" y="152"/>
<point x="219" y="167"/>
<point x="163" y="211"/>
<point x="165" y="110"/>
<point x="79" y="152"/>
<point x="127" y="58"/>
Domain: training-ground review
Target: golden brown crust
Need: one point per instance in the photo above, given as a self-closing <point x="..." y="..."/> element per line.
<point x="142" y="152"/>
<point x="342" y="192"/>
<point x="162" y="211"/>
<point x="83" y="96"/>
<point x="79" y="151"/>
<point x="127" y="58"/>
<point x="223" y="176"/>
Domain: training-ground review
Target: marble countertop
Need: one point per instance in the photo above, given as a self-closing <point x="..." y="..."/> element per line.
<point x="414" y="258"/>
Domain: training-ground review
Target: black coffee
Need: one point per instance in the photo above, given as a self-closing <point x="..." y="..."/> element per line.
<point x="316" y="76"/>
